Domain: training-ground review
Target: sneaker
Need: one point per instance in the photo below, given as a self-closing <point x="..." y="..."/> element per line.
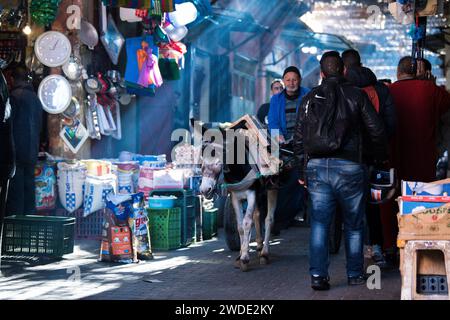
<point x="320" y="283"/>
<point x="377" y="256"/>
<point x="356" y="281"/>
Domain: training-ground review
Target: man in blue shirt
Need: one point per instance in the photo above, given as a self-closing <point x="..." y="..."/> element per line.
<point x="284" y="106"/>
<point x="282" y="117"/>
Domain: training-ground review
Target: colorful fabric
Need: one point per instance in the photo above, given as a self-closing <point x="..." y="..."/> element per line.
<point x="141" y="13"/>
<point x="167" y="5"/>
<point x="169" y="69"/>
<point x="142" y="71"/>
<point x="156" y="9"/>
<point x="138" y="4"/>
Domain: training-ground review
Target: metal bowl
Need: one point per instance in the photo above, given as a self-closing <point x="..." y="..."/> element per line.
<point x="73" y="110"/>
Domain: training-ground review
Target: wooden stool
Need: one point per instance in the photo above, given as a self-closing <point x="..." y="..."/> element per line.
<point x="412" y="264"/>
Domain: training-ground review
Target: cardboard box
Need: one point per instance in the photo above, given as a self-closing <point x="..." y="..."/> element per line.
<point x="430" y="224"/>
<point x="436" y="188"/>
<point x="409" y="207"/>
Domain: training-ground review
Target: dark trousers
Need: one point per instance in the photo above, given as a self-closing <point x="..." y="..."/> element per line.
<point x="21" y="195"/>
<point x="291" y="199"/>
<point x="374" y="226"/>
<point x="4" y="183"/>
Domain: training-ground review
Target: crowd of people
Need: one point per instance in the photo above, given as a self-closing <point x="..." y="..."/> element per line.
<point x="340" y="132"/>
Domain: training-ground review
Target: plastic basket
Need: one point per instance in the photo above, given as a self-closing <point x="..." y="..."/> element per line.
<point x="89" y="227"/>
<point x="185" y="201"/>
<point x="209" y="223"/>
<point x="164" y="225"/>
<point x="38" y="235"/>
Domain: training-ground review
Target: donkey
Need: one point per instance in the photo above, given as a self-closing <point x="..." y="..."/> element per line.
<point x="243" y="184"/>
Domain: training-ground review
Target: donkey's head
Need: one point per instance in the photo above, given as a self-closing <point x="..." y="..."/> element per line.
<point x="212" y="160"/>
<point x="211" y="168"/>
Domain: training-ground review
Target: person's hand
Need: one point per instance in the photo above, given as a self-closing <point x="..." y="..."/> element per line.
<point x="302" y="183"/>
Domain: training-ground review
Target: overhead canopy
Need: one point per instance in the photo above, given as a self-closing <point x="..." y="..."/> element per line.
<point x="221" y="22"/>
<point x="300" y="34"/>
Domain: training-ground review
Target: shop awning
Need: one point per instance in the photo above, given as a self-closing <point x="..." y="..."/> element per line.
<point x="301" y="35"/>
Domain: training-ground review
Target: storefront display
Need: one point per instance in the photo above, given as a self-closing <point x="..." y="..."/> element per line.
<point x="84" y="101"/>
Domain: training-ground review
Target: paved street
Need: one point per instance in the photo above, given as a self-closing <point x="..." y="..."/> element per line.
<point x="201" y="271"/>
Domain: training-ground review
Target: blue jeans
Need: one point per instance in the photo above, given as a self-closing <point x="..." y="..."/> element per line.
<point x="331" y="181"/>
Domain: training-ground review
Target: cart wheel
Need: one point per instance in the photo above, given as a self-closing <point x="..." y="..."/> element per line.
<point x="230" y="226"/>
<point x="335" y="234"/>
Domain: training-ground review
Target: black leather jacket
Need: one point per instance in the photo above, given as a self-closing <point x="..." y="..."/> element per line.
<point x="361" y="116"/>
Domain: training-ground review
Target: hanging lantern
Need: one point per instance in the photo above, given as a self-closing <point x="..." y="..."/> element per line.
<point x="184" y="14"/>
<point x="176" y="33"/>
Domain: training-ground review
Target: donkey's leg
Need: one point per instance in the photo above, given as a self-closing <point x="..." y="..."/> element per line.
<point x="259" y="239"/>
<point x="237" y="206"/>
<point x="271" y="206"/>
<point x="247" y="228"/>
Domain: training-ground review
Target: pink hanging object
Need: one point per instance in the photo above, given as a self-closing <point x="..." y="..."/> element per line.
<point x="148" y="67"/>
<point x="155" y="73"/>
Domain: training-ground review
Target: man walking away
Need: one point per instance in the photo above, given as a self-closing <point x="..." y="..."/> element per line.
<point x="420" y="105"/>
<point x="328" y="145"/>
<point x="383" y="103"/>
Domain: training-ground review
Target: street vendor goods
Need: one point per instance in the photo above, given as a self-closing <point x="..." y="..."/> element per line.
<point x="116" y="245"/>
<point x="138" y="223"/>
<point x="55" y="94"/>
<point x="95" y="192"/>
<point x="71" y="177"/>
<point x="53" y="49"/>
<point x="45" y="181"/>
<point x="142" y="64"/>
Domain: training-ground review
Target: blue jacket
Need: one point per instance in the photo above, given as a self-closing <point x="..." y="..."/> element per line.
<point x="277" y="110"/>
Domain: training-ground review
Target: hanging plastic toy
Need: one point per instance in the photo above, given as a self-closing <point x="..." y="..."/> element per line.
<point x="111" y="38"/>
<point x="43" y="12"/>
<point x="184" y="14"/>
<point x="175" y="33"/>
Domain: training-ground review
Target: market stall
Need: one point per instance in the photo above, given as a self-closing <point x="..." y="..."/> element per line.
<point x="86" y="71"/>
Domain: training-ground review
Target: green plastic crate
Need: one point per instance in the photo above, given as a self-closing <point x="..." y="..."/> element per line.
<point x="38" y="235"/>
<point x="209" y="223"/>
<point x="165" y="225"/>
<point x="185" y="201"/>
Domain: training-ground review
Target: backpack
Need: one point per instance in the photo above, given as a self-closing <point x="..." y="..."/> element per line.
<point x="373" y="97"/>
<point x="326" y="120"/>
